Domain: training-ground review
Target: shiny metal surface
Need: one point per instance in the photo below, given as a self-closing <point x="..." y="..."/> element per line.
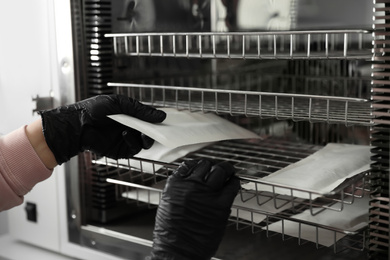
<point x="313" y="108"/>
<point x="351" y="44"/>
<point x="167" y="53"/>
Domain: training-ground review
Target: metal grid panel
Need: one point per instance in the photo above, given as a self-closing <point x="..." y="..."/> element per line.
<point x="298" y="107"/>
<point x="252" y="160"/>
<point x="330" y="44"/>
<point x="289" y="45"/>
<point x="379" y="243"/>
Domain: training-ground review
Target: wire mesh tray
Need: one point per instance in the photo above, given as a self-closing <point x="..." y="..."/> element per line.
<point x="320" y="44"/>
<point x="253" y="160"/>
<point x="298" y="107"/>
<point x="340" y="239"/>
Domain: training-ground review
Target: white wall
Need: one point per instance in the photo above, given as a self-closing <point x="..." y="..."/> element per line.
<point x="25" y="68"/>
<point x="3" y="223"/>
<point x="25" y="64"/>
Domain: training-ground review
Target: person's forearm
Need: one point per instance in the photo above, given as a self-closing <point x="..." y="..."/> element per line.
<point x="37" y="140"/>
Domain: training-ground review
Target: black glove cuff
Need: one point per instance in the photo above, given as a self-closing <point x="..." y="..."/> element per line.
<point x="57" y="124"/>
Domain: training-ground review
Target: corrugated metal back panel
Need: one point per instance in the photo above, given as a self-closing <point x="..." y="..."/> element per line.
<point x="380" y="134"/>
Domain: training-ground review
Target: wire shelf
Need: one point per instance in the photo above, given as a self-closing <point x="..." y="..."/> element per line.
<point x="319" y="44"/>
<point x="297" y="107"/>
<point x="252" y="160"/>
<point x="341" y="239"/>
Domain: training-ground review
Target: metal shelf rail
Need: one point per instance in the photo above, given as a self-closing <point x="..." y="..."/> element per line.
<point x="318" y="44"/>
<point x="297" y="107"/>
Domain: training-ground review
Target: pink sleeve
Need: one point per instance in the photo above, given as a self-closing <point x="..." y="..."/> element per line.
<point x="20" y="168"/>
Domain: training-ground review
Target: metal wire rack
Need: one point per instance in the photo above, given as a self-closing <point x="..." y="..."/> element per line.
<point x="252" y="160"/>
<point x="353" y="239"/>
<point x="297" y="107"/>
<point x="319" y="44"/>
<point x="342" y="239"/>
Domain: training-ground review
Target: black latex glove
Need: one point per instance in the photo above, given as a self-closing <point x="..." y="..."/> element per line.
<point x="193" y="212"/>
<point x="84" y="125"/>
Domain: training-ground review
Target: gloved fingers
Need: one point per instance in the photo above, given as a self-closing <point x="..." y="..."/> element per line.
<point x="200" y="170"/>
<point x="144" y="112"/>
<point x="219" y="175"/>
<point x="232" y="187"/>
<point x="185" y="168"/>
<point x="98" y="107"/>
<point x="147" y="142"/>
<point x="205" y="171"/>
<point x="150" y="114"/>
<point x="194" y="169"/>
<point x="133" y="141"/>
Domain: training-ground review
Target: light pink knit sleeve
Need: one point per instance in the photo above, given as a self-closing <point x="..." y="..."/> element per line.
<point x="20" y="168"/>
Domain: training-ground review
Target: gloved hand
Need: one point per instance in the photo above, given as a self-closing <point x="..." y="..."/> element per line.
<point x="194" y="209"/>
<point x="84" y="125"/>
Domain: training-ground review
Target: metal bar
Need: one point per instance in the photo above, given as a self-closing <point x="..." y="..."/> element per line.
<point x="130" y="184"/>
<point x="200" y="45"/>
<point x="137" y="45"/>
<point x="115" y="45"/>
<point x="149" y="45"/>
<point x="161" y="46"/>
<point x="345" y="44"/>
<point x="174" y="44"/>
<point x="303" y="32"/>
<point x="327" y="45"/>
<point x="213" y="44"/>
<point x="364" y="55"/>
<point x="275" y="45"/>
<point x="243" y="46"/>
<point x="228" y="46"/>
<point x="187" y="46"/>
<point x="230" y="104"/>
